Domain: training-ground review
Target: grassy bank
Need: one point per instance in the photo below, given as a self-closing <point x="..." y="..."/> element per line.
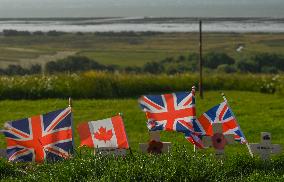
<point x="255" y="112"/>
<point x="180" y="165"/>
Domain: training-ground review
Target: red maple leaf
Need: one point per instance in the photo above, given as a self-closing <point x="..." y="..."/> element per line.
<point x="103" y="134"/>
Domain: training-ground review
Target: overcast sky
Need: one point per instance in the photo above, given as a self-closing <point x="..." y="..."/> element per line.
<point x="126" y="8"/>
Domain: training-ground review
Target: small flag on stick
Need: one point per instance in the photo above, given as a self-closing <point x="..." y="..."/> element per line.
<point x="41" y="137"/>
<point x="108" y="133"/>
<point x="221" y="113"/>
<point x="172" y="112"/>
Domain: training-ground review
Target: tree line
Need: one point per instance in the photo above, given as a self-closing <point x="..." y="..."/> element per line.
<point x="213" y="62"/>
<point x="19" y="70"/>
<point x="70" y="64"/>
<point x="216" y="62"/>
<point x="12" y="32"/>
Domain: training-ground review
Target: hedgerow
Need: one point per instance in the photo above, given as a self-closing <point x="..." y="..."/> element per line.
<point x="115" y="85"/>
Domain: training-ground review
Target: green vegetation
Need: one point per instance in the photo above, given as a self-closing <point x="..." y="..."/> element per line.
<point x="19" y="70"/>
<point x="180" y="165"/>
<point x="74" y="64"/>
<point x="134" y="49"/>
<point x="115" y="85"/>
<point x="117" y="91"/>
<point x="213" y="62"/>
<point x="255" y="112"/>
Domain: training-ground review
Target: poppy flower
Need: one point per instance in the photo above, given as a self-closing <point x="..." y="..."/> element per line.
<point x="218" y="141"/>
<point x="155" y="147"/>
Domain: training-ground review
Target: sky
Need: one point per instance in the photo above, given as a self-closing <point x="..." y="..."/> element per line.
<point x="138" y="8"/>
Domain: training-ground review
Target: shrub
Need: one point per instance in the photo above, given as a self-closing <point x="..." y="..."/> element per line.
<point x="225" y="68"/>
<point x="54" y="33"/>
<point x="153" y="67"/>
<point x="214" y="59"/>
<point x="73" y="64"/>
<point x="247" y="66"/>
<point x="269" y="60"/>
<point x="15" y="33"/>
<point x="269" y="69"/>
<point x="38" y="33"/>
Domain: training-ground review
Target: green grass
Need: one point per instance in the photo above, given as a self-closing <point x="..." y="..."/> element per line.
<point x="129" y="58"/>
<point x="180" y="165"/>
<point x="255" y="112"/>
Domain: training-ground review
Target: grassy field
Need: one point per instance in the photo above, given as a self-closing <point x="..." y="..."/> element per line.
<point x="134" y="49"/>
<point x="255" y="112"/>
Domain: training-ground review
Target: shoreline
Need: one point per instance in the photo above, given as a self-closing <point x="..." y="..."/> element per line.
<point x="144" y="24"/>
<point x="144" y="17"/>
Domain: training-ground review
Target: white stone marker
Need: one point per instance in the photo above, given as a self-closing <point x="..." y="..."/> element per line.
<point x="264" y="148"/>
<point x="155" y="145"/>
<point x="218" y="141"/>
<point x="110" y="151"/>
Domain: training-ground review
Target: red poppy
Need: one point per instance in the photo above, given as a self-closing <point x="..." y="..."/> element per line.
<point x="218" y="141"/>
<point x="155" y="147"/>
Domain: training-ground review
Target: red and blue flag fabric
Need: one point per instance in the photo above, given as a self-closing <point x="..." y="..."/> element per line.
<point x="171" y="112"/>
<point x="220" y="113"/>
<point x="39" y="138"/>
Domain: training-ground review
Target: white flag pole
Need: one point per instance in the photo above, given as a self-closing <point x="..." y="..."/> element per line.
<point x="121" y="115"/>
<point x="195" y="149"/>
<point x="6" y="127"/>
<point x="193" y="90"/>
<point x="225" y="99"/>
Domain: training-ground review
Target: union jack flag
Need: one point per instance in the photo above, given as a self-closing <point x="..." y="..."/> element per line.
<point x="42" y="137"/>
<point x="220" y="113"/>
<point x="171" y="112"/>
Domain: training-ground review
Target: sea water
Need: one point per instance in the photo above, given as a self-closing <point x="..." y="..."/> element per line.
<point x="144" y="25"/>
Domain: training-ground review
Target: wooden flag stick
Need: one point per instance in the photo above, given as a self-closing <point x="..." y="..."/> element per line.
<point x="6" y="126"/>
<point x="121" y="115"/>
<point x="200" y="61"/>
<point x="193" y="93"/>
<point x="72" y="123"/>
<point x="193" y="90"/>
<point x="70" y="102"/>
<point x="225" y="99"/>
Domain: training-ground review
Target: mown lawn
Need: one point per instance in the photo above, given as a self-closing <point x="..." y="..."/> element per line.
<point x="255" y="112"/>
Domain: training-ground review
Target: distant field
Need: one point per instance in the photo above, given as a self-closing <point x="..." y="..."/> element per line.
<point x="133" y="50"/>
<point x="129" y="58"/>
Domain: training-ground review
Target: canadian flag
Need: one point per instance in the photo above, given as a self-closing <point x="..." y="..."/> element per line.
<point x="108" y="132"/>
